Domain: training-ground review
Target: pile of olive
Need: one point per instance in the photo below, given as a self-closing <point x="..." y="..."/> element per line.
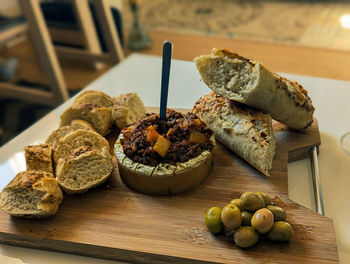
<point x="249" y="217"/>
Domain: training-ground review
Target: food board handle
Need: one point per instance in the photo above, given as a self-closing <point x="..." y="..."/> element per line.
<point x="316" y="181"/>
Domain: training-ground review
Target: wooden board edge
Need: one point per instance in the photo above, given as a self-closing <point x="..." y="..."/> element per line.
<point x="304" y="140"/>
<point x="302" y="153"/>
<point x="89" y="250"/>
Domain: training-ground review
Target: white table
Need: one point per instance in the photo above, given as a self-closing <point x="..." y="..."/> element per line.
<point x="141" y="74"/>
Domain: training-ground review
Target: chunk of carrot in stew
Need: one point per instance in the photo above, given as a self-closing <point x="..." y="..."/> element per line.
<point x="150" y="128"/>
<point x="197" y="137"/>
<point x="197" y="122"/>
<point x="152" y="137"/>
<point x="162" y="146"/>
<point x="170" y="131"/>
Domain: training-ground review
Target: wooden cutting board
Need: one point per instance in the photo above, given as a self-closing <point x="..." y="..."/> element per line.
<point x="114" y="222"/>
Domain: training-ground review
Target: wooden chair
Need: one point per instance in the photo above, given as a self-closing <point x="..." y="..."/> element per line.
<point x="46" y="52"/>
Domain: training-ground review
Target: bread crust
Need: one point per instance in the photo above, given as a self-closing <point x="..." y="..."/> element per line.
<point x="285" y="100"/>
<point x="245" y="131"/>
<point x="66" y="165"/>
<point x="39" y="157"/>
<point x="127" y="108"/>
<point x="99" y="117"/>
<point x="55" y="135"/>
<point x="97" y="98"/>
<point x="36" y="181"/>
<point x="163" y="179"/>
<point x="77" y="138"/>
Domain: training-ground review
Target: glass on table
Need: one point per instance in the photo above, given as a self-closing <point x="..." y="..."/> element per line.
<point x="345" y="142"/>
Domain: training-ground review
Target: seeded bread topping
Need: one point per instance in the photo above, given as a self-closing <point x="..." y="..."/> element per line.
<point x="240" y="118"/>
<point x="297" y="92"/>
<point x="39" y="152"/>
<point x="39" y="157"/>
<point x="177" y="139"/>
<point x="244" y="130"/>
<point x="31" y="177"/>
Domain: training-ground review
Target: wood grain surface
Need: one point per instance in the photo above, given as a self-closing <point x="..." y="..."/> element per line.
<point x="318" y="62"/>
<point x="114" y="222"/>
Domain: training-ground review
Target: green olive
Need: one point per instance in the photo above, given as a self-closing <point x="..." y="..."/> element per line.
<point x="231" y="216"/>
<point x="213" y="220"/>
<point x="281" y="231"/>
<point x="265" y="197"/>
<point x="246" y="237"/>
<point x="251" y="201"/>
<point x="278" y="213"/>
<point x="262" y="220"/>
<point x="237" y="202"/>
<point x="246" y="218"/>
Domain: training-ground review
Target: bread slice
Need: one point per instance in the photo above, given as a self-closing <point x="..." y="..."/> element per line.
<point x="128" y="108"/>
<point x="39" y="157"/>
<point x="97" y="98"/>
<point x="99" y="117"/>
<point x="84" y="169"/>
<point x="249" y="82"/>
<point x="245" y="131"/>
<point x="62" y="131"/>
<point x="78" y="138"/>
<point x="31" y="194"/>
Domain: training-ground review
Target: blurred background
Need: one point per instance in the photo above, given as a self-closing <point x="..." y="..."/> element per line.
<point x="52" y="49"/>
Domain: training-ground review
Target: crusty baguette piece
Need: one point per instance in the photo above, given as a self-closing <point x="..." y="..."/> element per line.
<point x="62" y="131"/>
<point x="31" y="194"/>
<point x="163" y="179"/>
<point x="97" y="98"/>
<point x="245" y="131"/>
<point x="78" y="138"/>
<point x="128" y="108"/>
<point x="84" y="169"/>
<point x="99" y="117"/>
<point x="249" y="82"/>
<point x="39" y="157"/>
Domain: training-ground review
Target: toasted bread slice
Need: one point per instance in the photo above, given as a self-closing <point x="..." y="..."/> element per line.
<point x="31" y="194"/>
<point x="83" y="169"/>
<point x="245" y="131"/>
<point x="99" y="117"/>
<point x="62" y="131"/>
<point x="78" y="138"/>
<point x="249" y="82"/>
<point x="128" y="108"/>
<point x="97" y="98"/>
<point x="39" y="157"/>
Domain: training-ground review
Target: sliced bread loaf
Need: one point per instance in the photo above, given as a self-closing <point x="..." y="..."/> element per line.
<point x="245" y="131"/>
<point x="127" y="108"/>
<point x="62" y="131"/>
<point x="83" y="169"/>
<point x="39" y="157"/>
<point x="249" y="82"/>
<point x="78" y="138"/>
<point x="31" y="194"/>
<point x="99" y="117"/>
<point x="97" y="98"/>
